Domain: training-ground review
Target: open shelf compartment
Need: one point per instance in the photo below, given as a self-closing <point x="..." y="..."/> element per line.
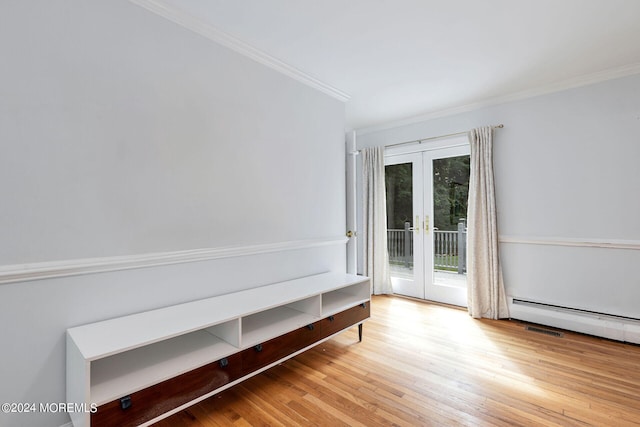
<point x="124" y="373"/>
<point x="341" y="299"/>
<point x="264" y="325"/>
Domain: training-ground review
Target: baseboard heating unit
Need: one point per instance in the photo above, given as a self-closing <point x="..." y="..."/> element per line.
<point x="604" y="325"/>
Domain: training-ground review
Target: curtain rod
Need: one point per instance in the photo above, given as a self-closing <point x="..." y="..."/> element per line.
<point x="420" y="141"/>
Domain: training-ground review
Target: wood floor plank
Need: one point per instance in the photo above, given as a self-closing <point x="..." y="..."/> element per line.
<point x="425" y="364"/>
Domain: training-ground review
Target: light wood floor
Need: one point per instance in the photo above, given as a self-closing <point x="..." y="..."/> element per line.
<point x="423" y="364"/>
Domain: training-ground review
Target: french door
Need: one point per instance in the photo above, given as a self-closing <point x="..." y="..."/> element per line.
<point x="427" y="194"/>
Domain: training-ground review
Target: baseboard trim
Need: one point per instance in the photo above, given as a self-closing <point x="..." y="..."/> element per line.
<point x="75" y="267"/>
<point x="605" y="326"/>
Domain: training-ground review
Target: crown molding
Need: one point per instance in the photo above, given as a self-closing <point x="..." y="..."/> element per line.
<point x="76" y="267"/>
<point x="575" y="82"/>
<point x="206" y="30"/>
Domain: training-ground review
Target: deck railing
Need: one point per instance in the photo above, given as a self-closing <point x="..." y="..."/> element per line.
<point x="400" y="246"/>
<point x="449" y="248"/>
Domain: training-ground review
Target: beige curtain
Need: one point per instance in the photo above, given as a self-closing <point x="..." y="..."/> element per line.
<point x="486" y="295"/>
<point x="374" y="212"/>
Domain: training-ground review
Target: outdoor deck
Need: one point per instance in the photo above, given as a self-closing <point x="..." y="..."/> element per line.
<point x="443" y="278"/>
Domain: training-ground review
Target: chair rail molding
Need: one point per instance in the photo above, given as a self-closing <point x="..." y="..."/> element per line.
<point x="570" y="241"/>
<point x="74" y="267"/>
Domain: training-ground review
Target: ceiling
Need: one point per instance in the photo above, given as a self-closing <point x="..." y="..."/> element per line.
<point x="394" y="60"/>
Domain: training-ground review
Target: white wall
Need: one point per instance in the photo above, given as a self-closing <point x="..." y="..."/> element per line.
<point x="566" y="167"/>
<point x="122" y="134"/>
<point x="124" y="129"/>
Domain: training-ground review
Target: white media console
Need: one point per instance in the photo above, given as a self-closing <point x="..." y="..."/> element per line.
<point x="144" y="367"/>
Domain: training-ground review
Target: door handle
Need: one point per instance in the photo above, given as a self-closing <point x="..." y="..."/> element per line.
<point x="417" y="224"/>
<point x="426" y="224"/>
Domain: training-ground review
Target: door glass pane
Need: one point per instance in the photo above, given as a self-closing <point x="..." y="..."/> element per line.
<point x="399" y="192"/>
<point x="450" y="194"/>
